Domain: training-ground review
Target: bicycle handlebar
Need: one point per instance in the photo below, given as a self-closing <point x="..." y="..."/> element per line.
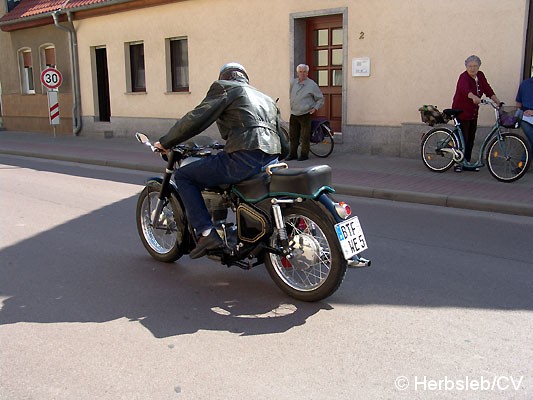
<point x="492" y="103"/>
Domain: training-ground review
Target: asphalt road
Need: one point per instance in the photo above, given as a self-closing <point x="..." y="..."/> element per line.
<point x="446" y="310"/>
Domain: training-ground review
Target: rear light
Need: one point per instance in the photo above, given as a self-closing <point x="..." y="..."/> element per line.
<point x="343" y="209"/>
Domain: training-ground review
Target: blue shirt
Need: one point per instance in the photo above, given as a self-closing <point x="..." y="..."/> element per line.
<point x="525" y="94"/>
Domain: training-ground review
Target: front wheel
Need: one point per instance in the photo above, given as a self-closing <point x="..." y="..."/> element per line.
<point x="508" y="157"/>
<point x="317" y="266"/>
<point x="437" y="149"/>
<point x="166" y="240"/>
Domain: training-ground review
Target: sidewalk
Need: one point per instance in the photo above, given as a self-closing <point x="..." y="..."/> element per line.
<point x="389" y="178"/>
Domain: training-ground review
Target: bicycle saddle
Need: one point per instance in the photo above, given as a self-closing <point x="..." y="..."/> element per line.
<point x="452" y="112"/>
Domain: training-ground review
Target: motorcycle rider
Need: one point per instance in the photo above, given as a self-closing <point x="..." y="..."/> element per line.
<point x="248" y="121"/>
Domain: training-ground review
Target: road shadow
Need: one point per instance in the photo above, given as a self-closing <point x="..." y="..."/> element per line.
<point x="429" y="256"/>
<point x="95" y="269"/>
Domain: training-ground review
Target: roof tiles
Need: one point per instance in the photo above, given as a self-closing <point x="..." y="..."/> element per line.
<point x="34" y="8"/>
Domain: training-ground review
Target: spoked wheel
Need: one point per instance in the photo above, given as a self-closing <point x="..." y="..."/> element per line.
<point x="317" y="267"/>
<point x="323" y="148"/>
<point x="436" y="149"/>
<point x="166" y="240"/>
<point x="508" y="158"/>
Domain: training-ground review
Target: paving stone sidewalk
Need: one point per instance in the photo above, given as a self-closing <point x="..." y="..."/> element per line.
<point x="391" y="178"/>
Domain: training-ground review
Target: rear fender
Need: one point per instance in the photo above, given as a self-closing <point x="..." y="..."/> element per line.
<point x="329" y="203"/>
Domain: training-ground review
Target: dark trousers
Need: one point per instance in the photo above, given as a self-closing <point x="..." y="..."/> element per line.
<point x="222" y="168"/>
<point x="469" y="127"/>
<point x="300" y="133"/>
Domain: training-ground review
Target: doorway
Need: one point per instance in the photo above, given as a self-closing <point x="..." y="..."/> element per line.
<point x="102" y="83"/>
<point x="324" y="54"/>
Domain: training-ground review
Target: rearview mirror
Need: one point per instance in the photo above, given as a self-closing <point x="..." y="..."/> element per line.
<point x="141" y="137"/>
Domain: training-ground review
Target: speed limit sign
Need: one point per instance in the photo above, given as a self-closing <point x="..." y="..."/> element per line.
<point x="51" y="78"/>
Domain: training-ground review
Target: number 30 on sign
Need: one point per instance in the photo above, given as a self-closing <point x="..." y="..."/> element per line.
<point x="51" y="78"/>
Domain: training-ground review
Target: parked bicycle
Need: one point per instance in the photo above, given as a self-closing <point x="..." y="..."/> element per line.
<point x="322" y="142"/>
<point x="322" y="138"/>
<point x="507" y="154"/>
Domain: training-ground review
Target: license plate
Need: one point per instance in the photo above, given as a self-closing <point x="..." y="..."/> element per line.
<point x="351" y="237"/>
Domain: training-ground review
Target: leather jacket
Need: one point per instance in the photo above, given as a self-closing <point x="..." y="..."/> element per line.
<point x="247" y="118"/>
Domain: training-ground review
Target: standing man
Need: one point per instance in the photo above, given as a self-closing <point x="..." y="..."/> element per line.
<point x="306" y="98"/>
<point x="524" y="100"/>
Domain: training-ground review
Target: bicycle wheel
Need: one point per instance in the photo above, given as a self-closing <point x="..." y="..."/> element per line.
<point x="508" y="158"/>
<point x="323" y="148"/>
<point x="437" y="149"/>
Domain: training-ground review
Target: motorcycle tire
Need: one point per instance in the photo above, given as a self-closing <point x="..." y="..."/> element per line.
<point x="317" y="267"/>
<point x="167" y="242"/>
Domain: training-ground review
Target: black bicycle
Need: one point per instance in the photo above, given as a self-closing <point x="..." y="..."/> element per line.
<point x="322" y="142"/>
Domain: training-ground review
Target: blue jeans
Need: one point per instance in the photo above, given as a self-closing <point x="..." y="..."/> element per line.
<point x="220" y="169"/>
<point x="528" y="130"/>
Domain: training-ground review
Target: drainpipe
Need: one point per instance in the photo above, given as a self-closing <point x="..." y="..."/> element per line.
<point x="73" y="41"/>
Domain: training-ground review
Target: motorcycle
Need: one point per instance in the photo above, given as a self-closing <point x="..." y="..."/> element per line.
<point x="284" y="218"/>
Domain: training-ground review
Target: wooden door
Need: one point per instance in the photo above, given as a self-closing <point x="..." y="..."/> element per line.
<point x="324" y="55"/>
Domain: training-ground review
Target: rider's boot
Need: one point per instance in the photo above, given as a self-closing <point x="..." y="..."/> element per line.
<point x="206" y="243"/>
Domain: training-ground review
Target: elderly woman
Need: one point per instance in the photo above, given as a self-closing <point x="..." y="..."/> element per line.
<point x="471" y="86"/>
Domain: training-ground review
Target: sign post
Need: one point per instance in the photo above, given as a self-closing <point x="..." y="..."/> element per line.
<point x="51" y="78"/>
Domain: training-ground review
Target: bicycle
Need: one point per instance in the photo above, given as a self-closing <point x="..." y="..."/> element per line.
<point x="322" y="138"/>
<point x="322" y="142"/>
<point x="506" y="153"/>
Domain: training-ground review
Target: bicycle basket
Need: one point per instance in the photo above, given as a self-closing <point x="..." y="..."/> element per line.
<point x="431" y="115"/>
<point x="510" y="116"/>
<point x="319" y="130"/>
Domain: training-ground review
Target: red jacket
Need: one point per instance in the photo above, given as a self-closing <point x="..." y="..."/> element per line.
<point x="465" y="85"/>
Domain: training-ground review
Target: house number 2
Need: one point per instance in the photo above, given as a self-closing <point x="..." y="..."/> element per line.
<point x="361" y="35"/>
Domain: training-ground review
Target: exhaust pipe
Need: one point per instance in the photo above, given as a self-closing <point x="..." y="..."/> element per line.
<point x="358" y="262"/>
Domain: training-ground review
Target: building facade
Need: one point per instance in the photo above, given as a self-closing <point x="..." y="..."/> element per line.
<point x="143" y="64"/>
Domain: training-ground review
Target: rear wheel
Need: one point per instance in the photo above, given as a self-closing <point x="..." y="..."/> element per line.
<point x="166" y="241"/>
<point x="508" y="158"/>
<point x="323" y="148"/>
<point x="317" y="267"/>
<point x="437" y="149"/>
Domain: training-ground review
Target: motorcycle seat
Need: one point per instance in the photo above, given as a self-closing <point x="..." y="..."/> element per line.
<point x="254" y="188"/>
<point x="306" y="182"/>
<point x="294" y="182"/>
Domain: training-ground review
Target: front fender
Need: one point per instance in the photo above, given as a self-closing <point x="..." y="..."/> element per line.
<point x="172" y="186"/>
<point x="159" y="180"/>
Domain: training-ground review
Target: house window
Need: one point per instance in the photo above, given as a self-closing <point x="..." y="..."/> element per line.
<point x="26" y="71"/>
<point x="48" y="56"/>
<point x="136" y="67"/>
<point x="179" y="64"/>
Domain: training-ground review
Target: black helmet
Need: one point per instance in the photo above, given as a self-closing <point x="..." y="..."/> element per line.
<point x="233" y="72"/>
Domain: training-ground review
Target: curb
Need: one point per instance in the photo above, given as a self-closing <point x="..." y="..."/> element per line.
<point x="348" y="190"/>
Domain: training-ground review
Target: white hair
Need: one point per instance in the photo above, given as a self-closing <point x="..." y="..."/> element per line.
<point x="473" y="58"/>
<point x="303" y="66"/>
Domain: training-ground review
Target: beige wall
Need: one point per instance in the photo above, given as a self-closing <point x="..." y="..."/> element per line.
<point x="416" y="48"/>
<point x="29" y="112"/>
<point x="217" y="33"/>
